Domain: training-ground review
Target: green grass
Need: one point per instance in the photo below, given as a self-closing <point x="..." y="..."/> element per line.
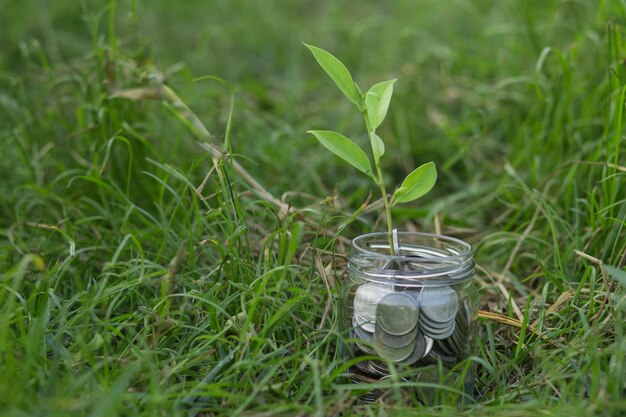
<point x="126" y="291"/>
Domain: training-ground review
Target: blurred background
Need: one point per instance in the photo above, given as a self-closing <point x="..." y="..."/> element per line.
<point x="470" y="73"/>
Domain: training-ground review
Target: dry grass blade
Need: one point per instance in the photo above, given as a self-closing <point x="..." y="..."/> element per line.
<point x="137" y="94"/>
<point x="510" y="321"/>
<point x="605" y="164"/>
<point x="499" y="281"/>
<point x="165" y="92"/>
<point x="319" y="265"/>
<point x="605" y="280"/>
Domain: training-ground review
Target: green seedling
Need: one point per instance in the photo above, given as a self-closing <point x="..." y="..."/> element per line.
<point x="373" y="106"/>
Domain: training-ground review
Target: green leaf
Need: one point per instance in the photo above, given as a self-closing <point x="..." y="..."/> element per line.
<point x="378" y="146"/>
<point x="345" y="149"/>
<point x="377" y="102"/>
<point x="337" y="71"/>
<point x="618" y="274"/>
<point x="417" y="183"/>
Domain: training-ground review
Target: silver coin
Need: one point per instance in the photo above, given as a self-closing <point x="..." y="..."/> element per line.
<point x="429" y="345"/>
<point x="459" y="342"/>
<point x="366" y="299"/>
<point x="464" y="316"/>
<point x="383" y="392"/>
<point x="358" y="377"/>
<point x="395" y="355"/>
<point x="459" y="339"/>
<point x="438" y="333"/>
<point x="440" y="325"/>
<point x="437" y="328"/>
<point x="419" y="350"/>
<point x="371" y="368"/>
<point x="458" y="347"/>
<point x="397" y="313"/>
<point x="440" y="304"/>
<point x="443" y="347"/>
<point x="362" y="347"/>
<point x="364" y="324"/>
<point x="436" y="356"/>
<point x="380" y="367"/>
<point x="362" y="333"/>
<point x="462" y="327"/>
<point x="384" y="338"/>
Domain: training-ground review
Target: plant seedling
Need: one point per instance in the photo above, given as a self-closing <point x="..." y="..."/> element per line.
<point x="373" y="105"/>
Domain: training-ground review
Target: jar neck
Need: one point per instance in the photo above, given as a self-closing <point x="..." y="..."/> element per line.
<point x="423" y="259"/>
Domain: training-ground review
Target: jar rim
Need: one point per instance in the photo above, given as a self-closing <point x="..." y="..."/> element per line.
<point x="436" y="266"/>
<point x="355" y="245"/>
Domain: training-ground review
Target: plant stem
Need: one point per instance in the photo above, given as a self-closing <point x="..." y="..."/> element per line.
<point x="383" y="191"/>
<point x="381" y="185"/>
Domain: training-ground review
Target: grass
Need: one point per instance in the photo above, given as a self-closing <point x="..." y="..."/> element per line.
<point x="127" y="288"/>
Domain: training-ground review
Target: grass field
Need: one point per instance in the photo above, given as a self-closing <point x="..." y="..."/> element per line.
<point x="143" y="272"/>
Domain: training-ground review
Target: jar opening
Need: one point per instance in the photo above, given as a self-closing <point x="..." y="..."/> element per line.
<point x="423" y="259"/>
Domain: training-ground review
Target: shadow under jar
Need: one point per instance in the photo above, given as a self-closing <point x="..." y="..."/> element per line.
<point x="410" y="318"/>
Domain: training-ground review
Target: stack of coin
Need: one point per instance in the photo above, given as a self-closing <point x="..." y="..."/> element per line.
<point x="364" y="304"/>
<point x="366" y="299"/>
<point x="374" y="394"/>
<point x="370" y="395"/>
<point x="408" y="326"/>
<point x="396" y="332"/>
<point x="456" y="344"/>
<point x="439" y="307"/>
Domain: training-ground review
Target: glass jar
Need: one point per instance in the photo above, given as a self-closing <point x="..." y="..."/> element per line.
<point x="408" y="320"/>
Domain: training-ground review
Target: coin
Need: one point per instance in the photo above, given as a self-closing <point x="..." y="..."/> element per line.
<point x="426" y="322"/>
<point x="364" y="324"/>
<point x="436" y="356"/>
<point x="440" y="304"/>
<point x="385" y="392"/>
<point x="360" y="377"/>
<point x="384" y="338"/>
<point x="364" y="347"/>
<point x="366" y="299"/>
<point x="439" y="333"/>
<point x="395" y="355"/>
<point x="464" y="316"/>
<point x="373" y="368"/>
<point x="429" y="345"/>
<point x="436" y="330"/>
<point x="419" y="350"/>
<point x="362" y="333"/>
<point x="380" y="367"/>
<point x="397" y="313"/>
<point x="458" y="341"/>
<point x="457" y="344"/>
<point x="442" y="346"/>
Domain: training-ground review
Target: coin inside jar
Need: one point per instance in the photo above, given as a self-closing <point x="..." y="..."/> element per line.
<point x="397" y="313"/>
<point x="440" y="304"/>
<point x="366" y="299"/>
<point x="429" y="323"/>
<point x="439" y="334"/>
<point x="362" y="333"/>
<point x="361" y="322"/>
<point x="395" y="355"/>
<point x="421" y="348"/>
<point x="384" y="338"/>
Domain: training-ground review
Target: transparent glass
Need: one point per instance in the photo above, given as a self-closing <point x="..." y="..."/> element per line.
<point x="410" y="318"/>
